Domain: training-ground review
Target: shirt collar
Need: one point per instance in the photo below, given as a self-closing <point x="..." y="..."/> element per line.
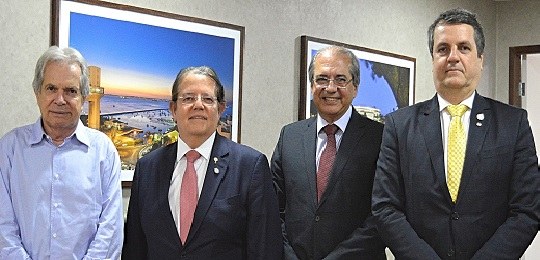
<point x="443" y="103"/>
<point x="341" y="122"/>
<point x="38" y="133"/>
<point x="205" y="149"/>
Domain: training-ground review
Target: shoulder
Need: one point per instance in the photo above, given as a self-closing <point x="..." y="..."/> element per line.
<point x="17" y="135"/>
<point x="160" y="153"/>
<point x="364" y="121"/>
<point x="413" y="112"/>
<point x="240" y="149"/>
<point x="301" y="124"/>
<point x="498" y="106"/>
<point x="299" y="127"/>
<point x="98" y="139"/>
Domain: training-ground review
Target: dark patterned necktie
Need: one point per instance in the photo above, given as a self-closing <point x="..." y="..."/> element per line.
<point x="326" y="161"/>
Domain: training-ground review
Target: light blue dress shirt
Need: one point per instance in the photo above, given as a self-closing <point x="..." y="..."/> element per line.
<point x="60" y="202"/>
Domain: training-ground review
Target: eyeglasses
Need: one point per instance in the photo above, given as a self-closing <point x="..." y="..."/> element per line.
<point x="191" y="99"/>
<point x="339" y="82"/>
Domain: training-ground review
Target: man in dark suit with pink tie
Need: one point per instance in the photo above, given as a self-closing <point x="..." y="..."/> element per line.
<point x="203" y="197"/>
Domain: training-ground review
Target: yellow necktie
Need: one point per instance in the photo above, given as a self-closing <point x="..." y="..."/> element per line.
<point x="456" y="149"/>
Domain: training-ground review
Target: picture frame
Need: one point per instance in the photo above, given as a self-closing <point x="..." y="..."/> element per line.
<point x="387" y="80"/>
<point x="134" y="55"/>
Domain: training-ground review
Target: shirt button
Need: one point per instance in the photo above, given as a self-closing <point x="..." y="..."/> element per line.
<point x="56" y="176"/>
<point x="54" y="235"/>
<point x="455" y="216"/>
<point x="317" y="218"/>
<point x="55" y="205"/>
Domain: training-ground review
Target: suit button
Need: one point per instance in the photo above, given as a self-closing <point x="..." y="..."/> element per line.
<point x="317" y="218"/>
<point x="455" y="216"/>
<point x="451" y="252"/>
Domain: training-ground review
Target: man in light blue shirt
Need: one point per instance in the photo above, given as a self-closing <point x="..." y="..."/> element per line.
<point x="60" y="181"/>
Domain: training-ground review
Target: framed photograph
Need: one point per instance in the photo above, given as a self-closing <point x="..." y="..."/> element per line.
<point x="386" y="80"/>
<point x="134" y="55"/>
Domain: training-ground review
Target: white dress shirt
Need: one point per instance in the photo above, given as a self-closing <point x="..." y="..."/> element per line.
<point x="321" y="136"/>
<point x="201" y="165"/>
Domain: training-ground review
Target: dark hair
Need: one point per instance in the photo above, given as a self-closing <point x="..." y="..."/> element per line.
<point x="354" y="68"/>
<point x="203" y="70"/>
<point x="459" y="16"/>
<point x="67" y="55"/>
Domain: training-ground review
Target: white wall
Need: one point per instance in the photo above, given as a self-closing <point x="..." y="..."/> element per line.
<point x="518" y="24"/>
<point x="532" y="105"/>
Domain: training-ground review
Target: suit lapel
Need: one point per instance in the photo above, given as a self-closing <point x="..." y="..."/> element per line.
<point x="310" y="150"/>
<point x="349" y="143"/>
<point x="216" y="171"/>
<point x="165" y="172"/>
<point x="430" y="126"/>
<point x="479" y="124"/>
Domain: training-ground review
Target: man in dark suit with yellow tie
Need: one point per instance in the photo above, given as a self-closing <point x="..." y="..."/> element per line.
<point x="323" y="168"/>
<point x="203" y="197"/>
<point x="457" y="175"/>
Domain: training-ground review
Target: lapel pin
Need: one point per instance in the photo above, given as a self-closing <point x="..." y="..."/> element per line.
<point x="215" y="160"/>
<point x="478" y="124"/>
<point x="480" y="117"/>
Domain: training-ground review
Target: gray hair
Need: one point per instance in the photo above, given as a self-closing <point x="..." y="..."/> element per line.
<point x="67" y="55"/>
<point x="203" y="70"/>
<point x="354" y="67"/>
<point x="459" y="16"/>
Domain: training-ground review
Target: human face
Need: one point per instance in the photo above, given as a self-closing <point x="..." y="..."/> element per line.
<point x="456" y="65"/>
<point x="59" y="98"/>
<point x="332" y="102"/>
<point x="197" y="121"/>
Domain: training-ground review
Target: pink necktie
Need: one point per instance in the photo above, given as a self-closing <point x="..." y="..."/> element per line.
<point x="189" y="195"/>
<point x="326" y="161"/>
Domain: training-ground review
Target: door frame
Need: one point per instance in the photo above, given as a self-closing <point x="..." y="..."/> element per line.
<point x="514" y="76"/>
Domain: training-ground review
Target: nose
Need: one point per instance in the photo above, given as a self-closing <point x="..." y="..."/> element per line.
<point x="59" y="98"/>
<point x="332" y="87"/>
<point x="453" y="55"/>
<point x="198" y="102"/>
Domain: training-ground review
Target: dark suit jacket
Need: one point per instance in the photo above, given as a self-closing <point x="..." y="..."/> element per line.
<point x="497" y="210"/>
<point x="237" y="215"/>
<point x="338" y="227"/>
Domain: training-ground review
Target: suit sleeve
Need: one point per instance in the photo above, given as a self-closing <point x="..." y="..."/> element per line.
<point x="107" y="243"/>
<point x="263" y="236"/>
<point x="388" y="201"/>
<point x="514" y="236"/>
<point x="135" y="246"/>
<point x="279" y="186"/>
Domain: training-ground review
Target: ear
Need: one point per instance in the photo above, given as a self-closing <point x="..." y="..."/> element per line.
<point x="481" y="62"/>
<point x="221" y="106"/>
<point x="313" y="89"/>
<point x="172" y="108"/>
<point x="355" y="89"/>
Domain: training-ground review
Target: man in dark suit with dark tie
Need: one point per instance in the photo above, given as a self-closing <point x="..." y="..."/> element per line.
<point x="457" y="185"/>
<point x="324" y="177"/>
<point x="236" y="215"/>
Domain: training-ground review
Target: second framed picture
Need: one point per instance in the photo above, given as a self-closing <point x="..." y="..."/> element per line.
<point x="386" y="79"/>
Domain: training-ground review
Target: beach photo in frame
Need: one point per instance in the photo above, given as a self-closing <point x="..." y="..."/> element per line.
<point x="134" y="55"/>
<point x="386" y="79"/>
